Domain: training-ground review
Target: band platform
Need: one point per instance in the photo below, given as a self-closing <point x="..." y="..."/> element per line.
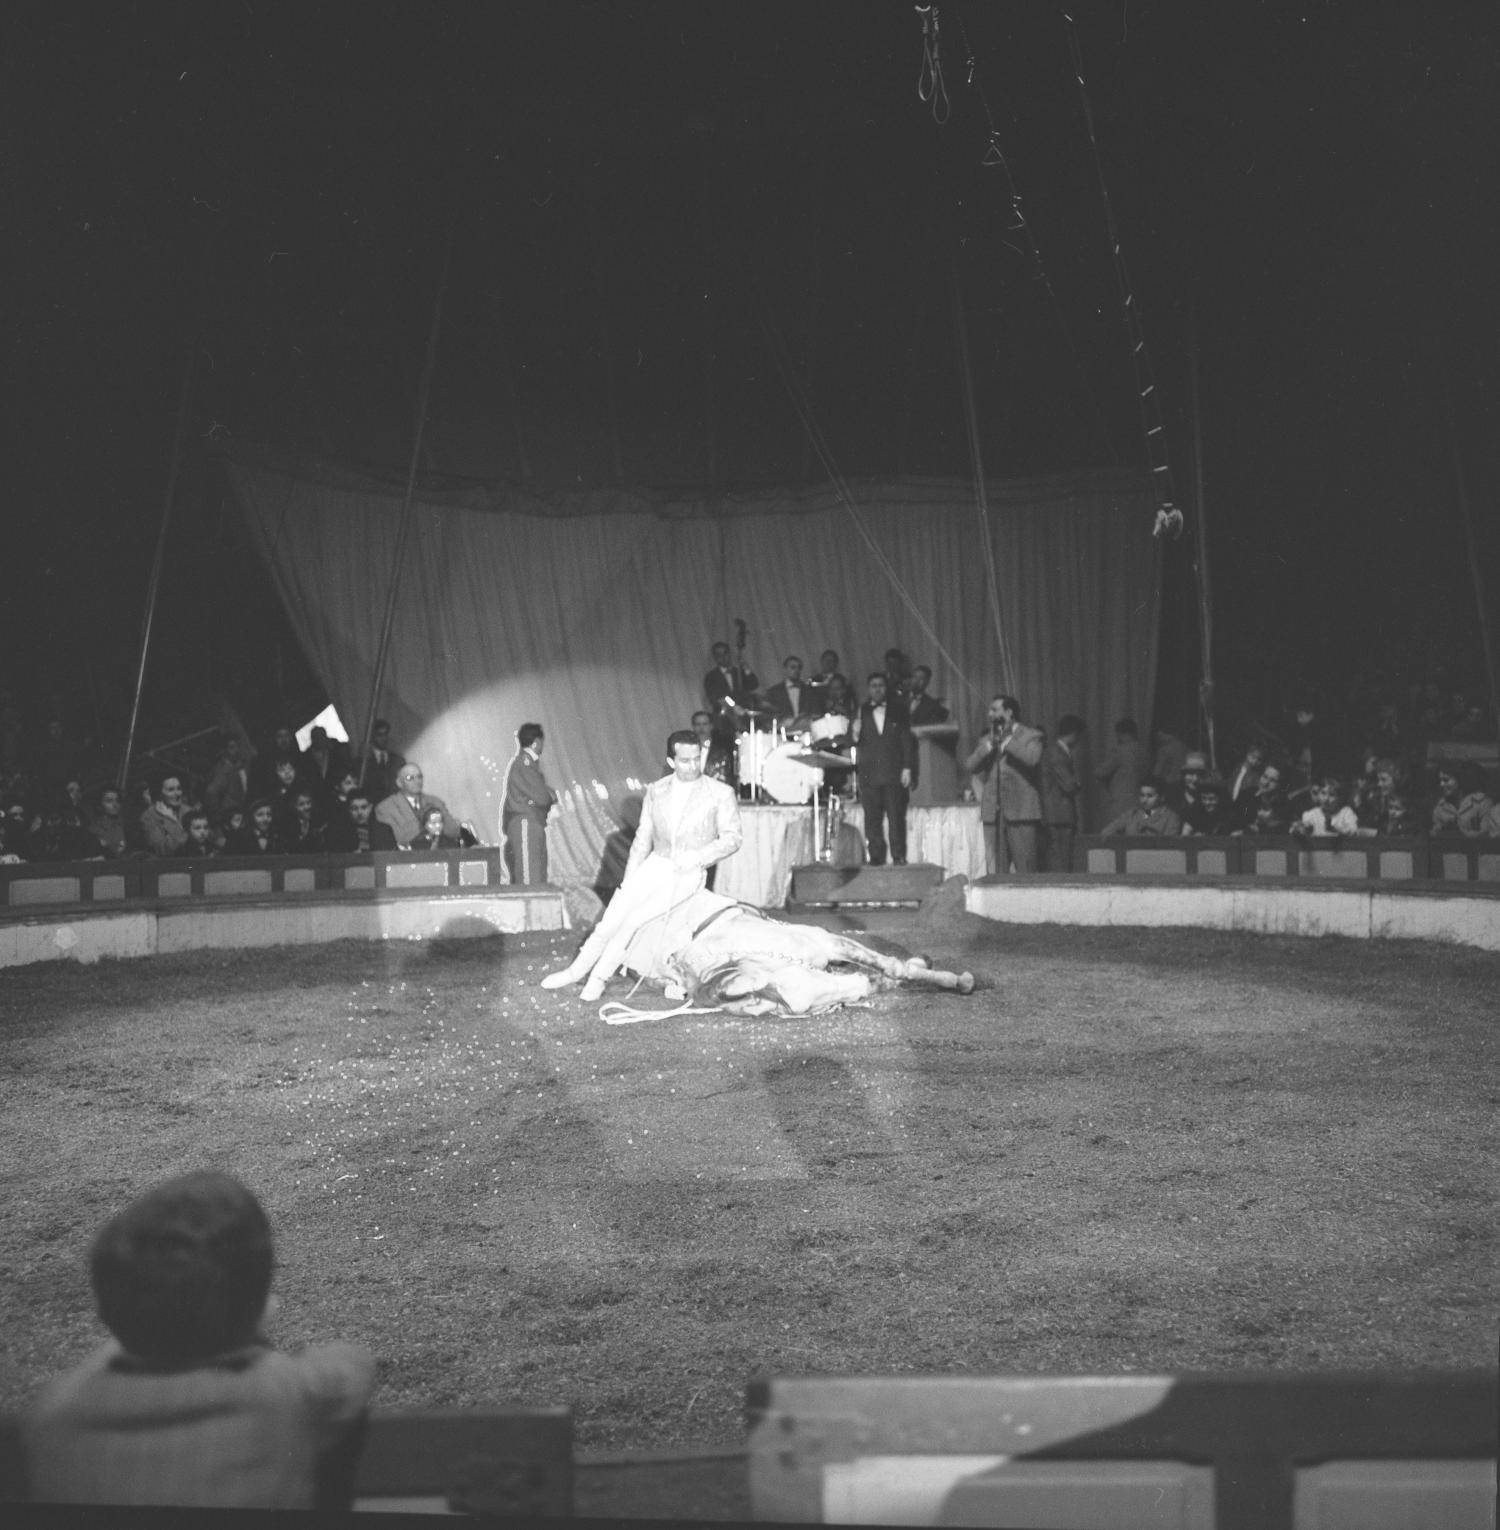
<point x="822" y="886"/>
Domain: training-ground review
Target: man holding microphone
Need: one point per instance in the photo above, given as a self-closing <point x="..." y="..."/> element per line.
<point x="1008" y="761"/>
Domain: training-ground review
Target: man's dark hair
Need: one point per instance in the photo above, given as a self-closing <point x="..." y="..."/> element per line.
<point x="1155" y="783"/>
<point x="681" y="736"/>
<point x="359" y="794"/>
<point x="528" y="733"/>
<point x="877" y="674"/>
<point x="1068" y="723"/>
<point x="189" y="819"/>
<point x="1010" y="703"/>
<point x="922" y="669"/>
<point x="182" y="1273"/>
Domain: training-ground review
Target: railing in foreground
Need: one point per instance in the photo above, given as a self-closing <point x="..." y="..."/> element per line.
<point x="1446" y="859"/>
<point x="129" y="880"/>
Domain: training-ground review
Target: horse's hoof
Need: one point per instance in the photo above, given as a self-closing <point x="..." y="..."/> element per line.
<point x="966" y="982"/>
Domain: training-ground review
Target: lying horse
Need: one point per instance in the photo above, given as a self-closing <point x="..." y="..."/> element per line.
<point x="718" y="954"/>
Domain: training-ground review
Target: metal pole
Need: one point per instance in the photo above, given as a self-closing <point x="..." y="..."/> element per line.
<point x="404" y="527"/>
<point x="1485" y="637"/>
<point x="1200" y="566"/>
<point x="153" y="587"/>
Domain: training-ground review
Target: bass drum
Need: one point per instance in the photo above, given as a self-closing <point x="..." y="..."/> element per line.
<point x="750" y="753"/>
<point x="787" y="780"/>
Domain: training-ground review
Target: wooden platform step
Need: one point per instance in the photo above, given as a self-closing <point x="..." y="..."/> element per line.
<point x="820" y="886"/>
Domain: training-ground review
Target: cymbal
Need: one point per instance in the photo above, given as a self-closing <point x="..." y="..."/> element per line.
<point x="818" y="757"/>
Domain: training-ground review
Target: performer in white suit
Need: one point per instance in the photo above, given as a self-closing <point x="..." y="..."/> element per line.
<point x="688" y="823"/>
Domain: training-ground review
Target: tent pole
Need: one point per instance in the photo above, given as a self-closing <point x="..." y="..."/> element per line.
<point x="404" y="526"/>
<point x="153" y="587"/>
<point x="605" y="346"/>
<point x="1486" y="638"/>
<point x="1200" y="564"/>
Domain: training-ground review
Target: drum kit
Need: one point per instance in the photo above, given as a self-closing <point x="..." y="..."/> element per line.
<point x="785" y="767"/>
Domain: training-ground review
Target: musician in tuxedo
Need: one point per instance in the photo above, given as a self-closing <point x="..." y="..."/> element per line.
<point x="821" y="684"/>
<point x="730" y="689"/>
<point x="718" y="757"/>
<point x="923" y="710"/>
<point x="886" y="759"/>
<point x="790" y="698"/>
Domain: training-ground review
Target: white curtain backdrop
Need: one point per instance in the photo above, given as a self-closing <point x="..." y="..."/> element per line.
<point x="593" y="613"/>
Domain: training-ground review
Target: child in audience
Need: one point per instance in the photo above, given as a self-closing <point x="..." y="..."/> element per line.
<point x="201" y="841"/>
<point x="1400" y="816"/>
<point x="432" y="836"/>
<point x="1330" y="813"/>
<point x="1211" y="812"/>
<point x="188" y="1404"/>
<point x="1151" y="816"/>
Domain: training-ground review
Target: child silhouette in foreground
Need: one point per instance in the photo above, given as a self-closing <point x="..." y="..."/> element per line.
<point x="189" y="1404"/>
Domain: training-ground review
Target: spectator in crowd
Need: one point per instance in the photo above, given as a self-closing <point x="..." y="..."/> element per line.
<point x="359" y="831"/>
<point x="925" y="710"/>
<point x="1151" y="816"/>
<point x="59" y="838"/>
<point x="338" y="803"/>
<point x="107" y="824"/>
<point x="264" y="774"/>
<point x="323" y="764"/>
<point x="1373" y="809"/>
<point x="1246" y="774"/>
<point x="1211" y="812"/>
<point x="303" y="831"/>
<point x="1060" y="792"/>
<point x="259" y="834"/>
<point x="21" y="824"/>
<point x="1313" y="745"/>
<point x="1489" y="827"/>
<point x="1123" y="769"/>
<point x="1268" y="812"/>
<point x="1400" y="816"/>
<point x="432" y="836"/>
<point x="229" y="780"/>
<point x="162" y="832"/>
<point x="1169" y="759"/>
<point x="283" y="797"/>
<point x="54" y="756"/>
<point x="383" y="764"/>
<point x="1468" y="720"/>
<point x="1185" y="794"/>
<point x="1008" y="762"/>
<point x="1462" y="802"/>
<point x="8" y="857"/>
<point x="718" y="757"/>
<point x="404" y="809"/>
<point x="1331" y="812"/>
<point x="231" y="828"/>
<point x="201" y="840"/>
<point x="74" y="809"/>
<point x="188" y="1404"/>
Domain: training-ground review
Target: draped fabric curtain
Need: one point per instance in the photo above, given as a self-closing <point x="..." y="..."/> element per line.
<point x="592" y="613"/>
